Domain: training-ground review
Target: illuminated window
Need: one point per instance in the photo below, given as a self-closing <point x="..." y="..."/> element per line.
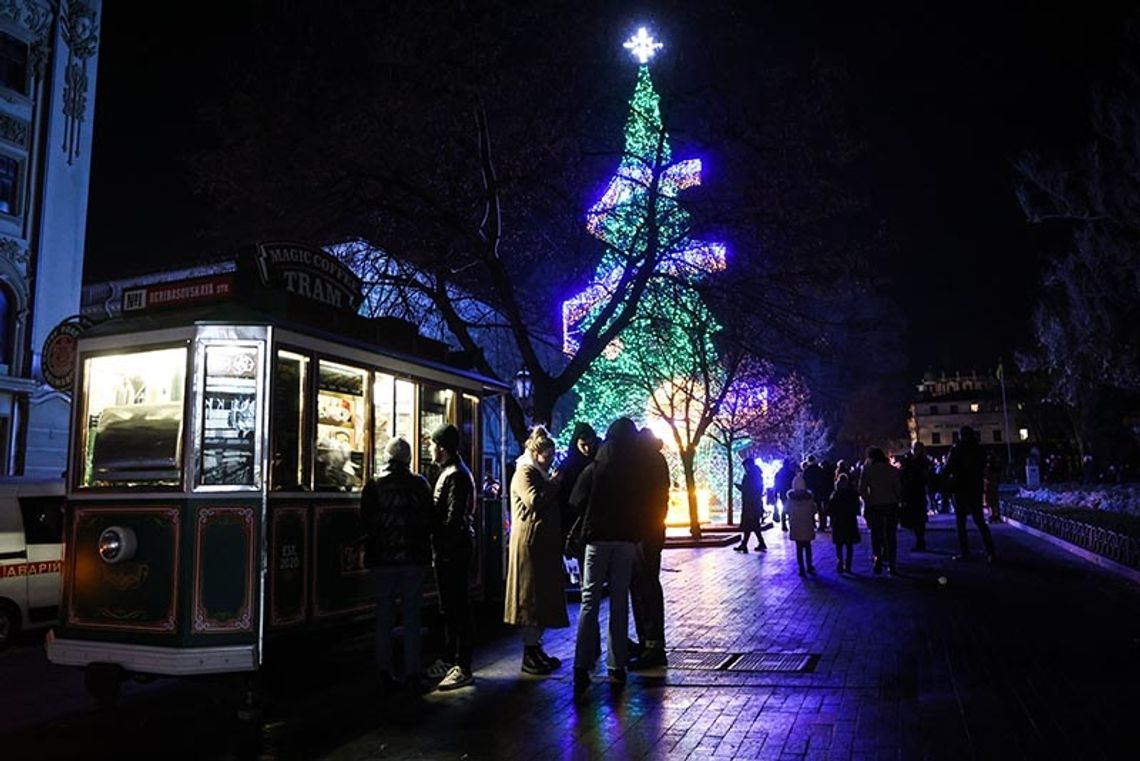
<point x="340" y="445"/>
<point x="436" y="409"/>
<point x="288" y="420"/>
<point x="974" y="407"/>
<point x="132" y="418"/>
<point x="231" y="428"/>
<point x="1023" y="434"/>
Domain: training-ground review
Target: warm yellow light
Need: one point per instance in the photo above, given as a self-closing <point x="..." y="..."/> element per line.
<point x="678" y="514"/>
<point x="974" y="407"/>
<point x="1024" y="434"/>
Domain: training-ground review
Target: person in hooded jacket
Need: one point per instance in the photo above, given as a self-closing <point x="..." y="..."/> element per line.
<point x="646" y="594"/>
<point x="535" y="595"/>
<point x="965" y="472"/>
<point x="801" y="530"/>
<point x="843" y="507"/>
<point x="608" y="493"/>
<point x="751" y="506"/>
<point x="583" y="449"/>
<point x="395" y="510"/>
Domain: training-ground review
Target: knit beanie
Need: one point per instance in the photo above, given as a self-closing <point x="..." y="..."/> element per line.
<point x="447" y="436"/>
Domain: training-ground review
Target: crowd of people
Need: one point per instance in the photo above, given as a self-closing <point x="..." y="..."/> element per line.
<point x="604" y="509"/>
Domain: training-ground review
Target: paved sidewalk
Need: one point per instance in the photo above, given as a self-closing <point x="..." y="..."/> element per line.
<point x="1033" y="657"/>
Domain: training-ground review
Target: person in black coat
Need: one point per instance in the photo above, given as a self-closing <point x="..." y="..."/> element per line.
<point x="965" y="471"/>
<point x="752" y="506"/>
<point x="646" y="594"/>
<point x="915" y="475"/>
<point x="782" y="483"/>
<point x="395" y="510"/>
<point x="608" y="493"/>
<point x="819" y="484"/>
<point x="843" y="507"/>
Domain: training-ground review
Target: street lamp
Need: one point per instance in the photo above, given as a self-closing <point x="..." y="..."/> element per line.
<point x="524" y="390"/>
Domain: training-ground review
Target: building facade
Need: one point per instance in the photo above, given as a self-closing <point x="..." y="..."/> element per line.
<point x="944" y="403"/>
<point x="48" y="56"/>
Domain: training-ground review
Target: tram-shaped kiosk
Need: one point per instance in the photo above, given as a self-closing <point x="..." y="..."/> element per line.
<point x="217" y="455"/>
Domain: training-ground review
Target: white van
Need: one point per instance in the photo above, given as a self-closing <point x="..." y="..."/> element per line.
<point x="31" y="528"/>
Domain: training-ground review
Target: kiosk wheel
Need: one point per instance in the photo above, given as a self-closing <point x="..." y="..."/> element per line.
<point x="103" y="682"/>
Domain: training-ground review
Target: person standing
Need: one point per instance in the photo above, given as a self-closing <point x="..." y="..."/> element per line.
<point x="453" y="544"/>
<point x="535" y="595"/>
<point x="751" y="506"/>
<point x="646" y="594"/>
<point x="915" y="475"/>
<point x="608" y="493"/>
<point x="395" y="510"/>
<point x="843" y="507"/>
<point x="819" y="485"/>
<point x="965" y="471"/>
<point x="782" y="482"/>
<point x="801" y="519"/>
<point x="583" y="448"/>
<point x="881" y="490"/>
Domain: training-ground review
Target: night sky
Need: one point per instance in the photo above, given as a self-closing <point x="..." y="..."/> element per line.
<point x="949" y="96"/>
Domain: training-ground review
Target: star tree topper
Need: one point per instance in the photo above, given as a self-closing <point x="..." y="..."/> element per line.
<point x="642" y="45"/>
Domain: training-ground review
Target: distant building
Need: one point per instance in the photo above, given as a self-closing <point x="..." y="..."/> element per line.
<point x="48" y="56"/>
<point x="945" y="403"/>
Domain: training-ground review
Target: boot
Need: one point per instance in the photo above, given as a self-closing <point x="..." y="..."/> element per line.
<point x="533" y="663"/>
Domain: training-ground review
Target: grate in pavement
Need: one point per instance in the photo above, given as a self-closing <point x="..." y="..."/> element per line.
<point x="792" y="662"/>
<point x="698" y="660"/>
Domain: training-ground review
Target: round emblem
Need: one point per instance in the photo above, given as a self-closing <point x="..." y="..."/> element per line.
<point x="57" y="360"/>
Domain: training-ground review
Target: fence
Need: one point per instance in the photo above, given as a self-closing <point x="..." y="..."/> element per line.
<point x="1109" y="544"/>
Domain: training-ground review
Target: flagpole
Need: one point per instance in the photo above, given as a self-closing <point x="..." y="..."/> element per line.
<point x="1005" y="418"/>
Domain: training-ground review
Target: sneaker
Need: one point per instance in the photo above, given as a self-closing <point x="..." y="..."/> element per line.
<point x="439" y="669"/>
<point x="533" y="663"/>
<point x="455" y="679"/>
<point x="740" y="548"/>
<point x="652" y="658"/>
<point x="581" y="680"/>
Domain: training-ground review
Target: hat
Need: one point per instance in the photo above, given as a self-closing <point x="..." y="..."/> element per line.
<point x="584" y="432"/>
<point x="399" y="450"/>
<point x="798" y="484"/>
<point x="447" y="436"/>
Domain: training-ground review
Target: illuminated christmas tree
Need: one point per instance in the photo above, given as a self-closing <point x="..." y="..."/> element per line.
<point x="639" y="217"/>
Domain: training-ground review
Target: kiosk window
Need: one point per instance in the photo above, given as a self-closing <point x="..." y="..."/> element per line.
<point x="229" y="418"/>
<point x="383" y="416"/>
<point x="406" y="412"/>
<point x="132" y="418"/>
<point x="340" y="428"/>
<point x="435" y="410"/>
<point x="288" y="416"/>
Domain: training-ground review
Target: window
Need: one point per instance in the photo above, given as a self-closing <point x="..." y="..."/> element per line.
<point x="975" y="407"/>
<point x="43" y="519"/>
<point x="230" y="424"/>
<point x="997" y="436"/>
<point x="1023" y="434"/>
<point x="435" y="410"/>
<point x="936" y="438"/>
<point x="132" y="418"/>
<point x="934" y="409"/>
<point x="13" y="63"/>
<point x="953" y="409"/>
<point x="7" y="325"/>
<point x="340" y="428"/>
<point x="288" y="421"/>
<point x="9" y="185"/>
<point x="383" y="416"/>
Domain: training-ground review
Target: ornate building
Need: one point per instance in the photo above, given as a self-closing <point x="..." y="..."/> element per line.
<point x="944" y="403"/>
<point x="48" y="55"/>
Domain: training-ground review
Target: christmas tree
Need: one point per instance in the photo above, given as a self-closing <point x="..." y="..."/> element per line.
<point x="637" y="218"/>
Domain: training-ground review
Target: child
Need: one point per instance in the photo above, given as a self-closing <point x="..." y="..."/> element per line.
<point x="801" y="517"/>
<point x="844" y="508"/>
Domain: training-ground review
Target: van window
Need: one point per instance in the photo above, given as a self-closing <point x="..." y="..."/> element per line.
<point x="43" y="519"/>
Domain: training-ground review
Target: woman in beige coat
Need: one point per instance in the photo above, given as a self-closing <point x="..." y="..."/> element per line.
<point x="535" y="592"/>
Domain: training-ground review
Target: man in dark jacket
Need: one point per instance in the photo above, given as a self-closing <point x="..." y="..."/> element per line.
<point x="647" y="596"/>
<point x="608" y="492"/>
<point x="583" y="448"/>
<point x="783" y="484"/>
<point x="817" y="483"/>
<point x="396" y="512"/>
<point x="965" y="470"/>
<point x="453" y="544"/>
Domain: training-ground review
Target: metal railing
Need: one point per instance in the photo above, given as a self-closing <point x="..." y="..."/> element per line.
<point x="1109" y="544"/>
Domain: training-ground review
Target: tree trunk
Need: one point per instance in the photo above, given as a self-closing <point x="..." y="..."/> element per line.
<point x="688" y="455"/>
<point x="730" y="488"/>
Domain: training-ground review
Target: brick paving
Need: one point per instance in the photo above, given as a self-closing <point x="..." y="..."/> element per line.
<point x="1036" y="657"/>
<point x="1033" y="657"/>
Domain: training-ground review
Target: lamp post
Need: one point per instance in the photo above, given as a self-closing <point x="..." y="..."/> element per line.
<point x="524" y="392"/>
